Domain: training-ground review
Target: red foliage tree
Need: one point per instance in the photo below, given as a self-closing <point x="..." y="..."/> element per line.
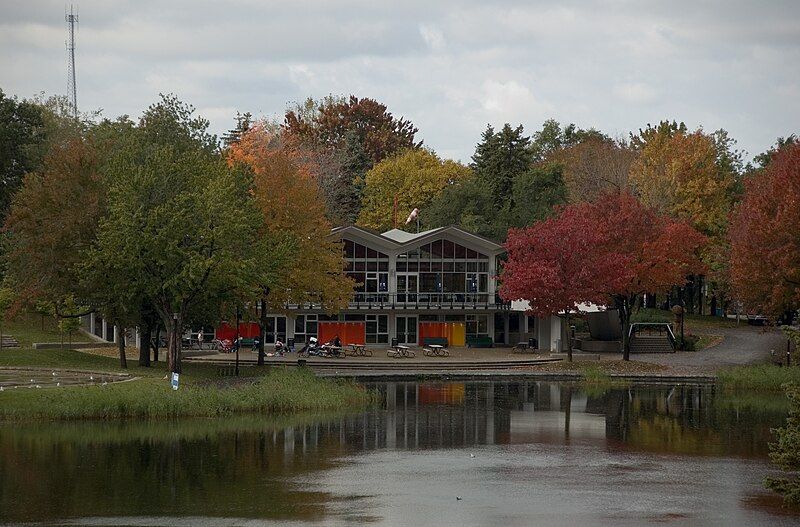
<point x="552" y="265"/>
<point x="612" y="250"/>
<point x="376" y="129"/>
<point x="765" y="237"/>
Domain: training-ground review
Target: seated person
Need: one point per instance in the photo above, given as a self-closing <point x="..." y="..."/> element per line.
<point x="336" y="342"/>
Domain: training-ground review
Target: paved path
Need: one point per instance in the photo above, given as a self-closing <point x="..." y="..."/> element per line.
<point x="740" y="345"/>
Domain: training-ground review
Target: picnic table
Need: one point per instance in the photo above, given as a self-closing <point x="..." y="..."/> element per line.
<point x="334" y="351"/>
<point x="436" y="350"/>
<point x="359" y="350"/>
<point x="523" y="347"/>
<point x="400" y="351"/>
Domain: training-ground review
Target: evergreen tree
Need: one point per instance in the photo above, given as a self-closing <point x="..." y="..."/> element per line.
<point x="499" y="158"/>
<point x="243" y="123"/>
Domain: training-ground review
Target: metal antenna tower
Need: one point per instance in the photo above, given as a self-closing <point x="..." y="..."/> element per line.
<point x="72" y="90"/>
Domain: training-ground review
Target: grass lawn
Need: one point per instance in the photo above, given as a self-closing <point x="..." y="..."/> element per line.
<point x="691" y="322"/>
<point x="28" y="329"/>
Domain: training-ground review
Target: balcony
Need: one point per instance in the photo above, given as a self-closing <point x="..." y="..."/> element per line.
<point x="420" y="301"/>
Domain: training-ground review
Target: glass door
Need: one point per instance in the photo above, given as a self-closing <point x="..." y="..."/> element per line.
<point x="407" y="288"/>
<point x="406" y="330"/>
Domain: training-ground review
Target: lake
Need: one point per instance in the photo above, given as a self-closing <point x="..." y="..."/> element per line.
<point x="449" y="454"/>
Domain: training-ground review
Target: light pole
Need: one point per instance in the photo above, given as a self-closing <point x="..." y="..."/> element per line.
<point x="237" y="341"/>
<point x="174" y="353"/>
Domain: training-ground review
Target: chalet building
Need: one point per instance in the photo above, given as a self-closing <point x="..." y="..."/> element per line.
<point x="410" y="287"/>
<point x="413" y="285"/>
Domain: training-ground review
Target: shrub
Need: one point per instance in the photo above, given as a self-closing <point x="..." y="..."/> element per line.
<point x="785" y="452"/>
<point x="652" y="315"/>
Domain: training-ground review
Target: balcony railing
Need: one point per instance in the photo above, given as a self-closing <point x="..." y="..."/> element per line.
<point x="417" y="301"/>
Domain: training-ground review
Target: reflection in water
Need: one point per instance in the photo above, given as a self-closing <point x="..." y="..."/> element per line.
<point x="254" y="467"/>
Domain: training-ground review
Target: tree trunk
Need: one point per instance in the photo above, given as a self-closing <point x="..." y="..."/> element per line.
<point x="145" y="332"/>
<point x="174" y="343"/>
<point x="123" y="361"/>
<point x="700" y="295"/>
<point x="262" y="323"/>
<point x="157" y="343"/>
<point x="567" y="409"/>
<point x="569" y="337"/>
<point x="626" y="341"/>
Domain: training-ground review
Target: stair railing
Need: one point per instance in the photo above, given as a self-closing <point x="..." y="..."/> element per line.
<point x="660" y="327"/>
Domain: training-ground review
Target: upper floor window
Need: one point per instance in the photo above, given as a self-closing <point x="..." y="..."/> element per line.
<point x="361" y="258"/>
<point x="443" y="255"/>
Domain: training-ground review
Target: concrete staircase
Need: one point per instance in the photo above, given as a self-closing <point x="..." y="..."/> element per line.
<point x="651" y="344"/>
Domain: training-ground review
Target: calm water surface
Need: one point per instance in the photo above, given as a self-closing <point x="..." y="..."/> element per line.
<point x="515" y="453"/>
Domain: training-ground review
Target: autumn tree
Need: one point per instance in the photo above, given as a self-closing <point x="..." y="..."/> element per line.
<point x="594" y="166"/>
<point x="413" y="178"/>
<point x="288" y="198"/>
<point x="765" y="237"/>
<point x="654" y="251"/>
<point x="555" y="266"/>
<point x="52" y="221"/>
<point x="360" y="131"/>
<point x="693" y="177"/>
<point x="610" y="251"/>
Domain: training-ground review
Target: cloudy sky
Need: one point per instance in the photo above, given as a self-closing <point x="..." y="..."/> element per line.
<point x="451" y="67"/>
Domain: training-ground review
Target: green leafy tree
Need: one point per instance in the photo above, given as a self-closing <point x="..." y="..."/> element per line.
<point x="414" y="178"/>
<point x="552" y="138"/>
<point x="465" y="203"/>
<point x="21" y="135"/>
<point x="537" y="192"/>
<point x="181" y="231"/>
<point x="763" y="159"/>
<point x="69" y="322"/>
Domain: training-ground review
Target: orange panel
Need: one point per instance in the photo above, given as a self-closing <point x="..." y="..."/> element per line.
<point x="454" y="332"/>
<point x="246" y="330"/>
<point x="349" y="332"/>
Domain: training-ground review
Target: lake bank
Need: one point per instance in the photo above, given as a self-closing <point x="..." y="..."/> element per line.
<point x="202" y="392"/>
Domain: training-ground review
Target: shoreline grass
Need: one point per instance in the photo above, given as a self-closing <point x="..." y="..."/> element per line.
<point x="758" y="377"/>
<point x="282" y="391"/>
<point x="203" y="393"/>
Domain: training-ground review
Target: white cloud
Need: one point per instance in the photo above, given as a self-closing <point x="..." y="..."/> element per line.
<point x="449" y="66"/>
<point x="510" y="101"/>
<point x="635" y="92"/>
<point x="432" y="36"/>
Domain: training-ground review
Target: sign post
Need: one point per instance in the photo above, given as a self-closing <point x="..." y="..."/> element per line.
<point x="175" y="380"/>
